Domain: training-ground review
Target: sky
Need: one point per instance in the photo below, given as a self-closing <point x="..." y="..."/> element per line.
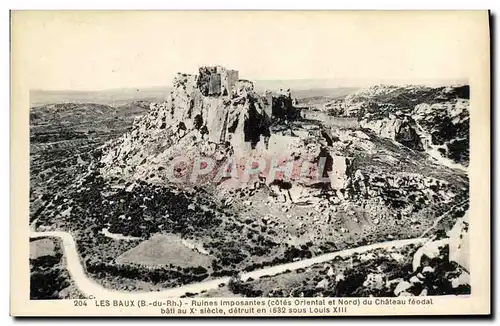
<point x="107" y="50"/>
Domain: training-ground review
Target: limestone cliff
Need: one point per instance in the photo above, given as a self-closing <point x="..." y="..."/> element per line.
<point x="210" y="114"/>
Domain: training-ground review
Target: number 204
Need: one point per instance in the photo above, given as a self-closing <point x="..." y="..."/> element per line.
<point x="80" y="303"/>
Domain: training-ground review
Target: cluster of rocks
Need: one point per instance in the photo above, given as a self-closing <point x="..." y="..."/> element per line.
<point x="439" y="267"/>
<point x="335" y="107"/>
<point x="418" y="189"/>
<point x="442" y="279"/>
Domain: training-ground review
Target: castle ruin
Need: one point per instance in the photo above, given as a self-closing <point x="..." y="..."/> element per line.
<point x="217" y="80"/>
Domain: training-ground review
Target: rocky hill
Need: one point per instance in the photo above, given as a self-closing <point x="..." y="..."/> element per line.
<point x="370" y="179"/>
<point x="434" y="120"/>
<point x="62" y="137"/>
<point x="199" y="118"/>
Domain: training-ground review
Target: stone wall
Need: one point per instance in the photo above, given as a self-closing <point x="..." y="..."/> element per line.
<point x="204" y="78"/>
<point x="214" y="86"/>
<point x="229" y="78"/>
<point x="269" y="104"/>
<point x="283" y="109"/>
<point x="243" y="87"/>
<point x="217" y="80"/>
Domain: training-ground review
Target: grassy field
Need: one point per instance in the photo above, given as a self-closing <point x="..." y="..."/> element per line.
<point x="163" y="249"/>
<point x="42" y="247"/>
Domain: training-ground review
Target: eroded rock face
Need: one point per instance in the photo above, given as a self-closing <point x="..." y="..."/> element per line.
<point x="434" y="120"/>
<point x="444" y="128"/>
<point x="430" y="250"/>
<point x="400" y="129"/>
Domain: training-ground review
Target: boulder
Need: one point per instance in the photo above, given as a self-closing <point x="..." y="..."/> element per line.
<point x="459" y="242"/>
<point x="462" y="279"/>
<point x="374" y="281"/>
<point x="430" y="250"/>
<point x="323" y="284"/>
<point x="427" y="269"/>
<point x="415" y="280"/>
<point x="402" y="287"/>
<point x="339" y="174"/>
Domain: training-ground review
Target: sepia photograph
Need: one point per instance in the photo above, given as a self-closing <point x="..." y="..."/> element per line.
<point x="228" y="158"/>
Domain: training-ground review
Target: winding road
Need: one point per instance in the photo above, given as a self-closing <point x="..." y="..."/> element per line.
<point x="93" y="290"/>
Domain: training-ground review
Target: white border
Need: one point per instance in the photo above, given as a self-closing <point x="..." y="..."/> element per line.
<point x="186" y="4"/>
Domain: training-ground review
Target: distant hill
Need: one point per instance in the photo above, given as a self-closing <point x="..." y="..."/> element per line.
<point x="113" y="97"/>
<point x="81" y="113"/>
<point x="158" y="94"/>
<point x="300" y="88"/>
<point x="332" y="93"/>
<point x="305" y="89"/>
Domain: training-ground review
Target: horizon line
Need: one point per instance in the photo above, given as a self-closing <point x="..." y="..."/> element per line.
<point x="401" y="82"/>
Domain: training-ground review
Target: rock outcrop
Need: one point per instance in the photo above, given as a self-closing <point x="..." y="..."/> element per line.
<point x="212" y="114"/>
<point x="459" y="242"/>
<point x="453" y="248"/>
<point x="340" y="175"/>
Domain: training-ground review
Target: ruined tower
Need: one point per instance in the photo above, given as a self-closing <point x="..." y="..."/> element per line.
<point x="217" y="80"/>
